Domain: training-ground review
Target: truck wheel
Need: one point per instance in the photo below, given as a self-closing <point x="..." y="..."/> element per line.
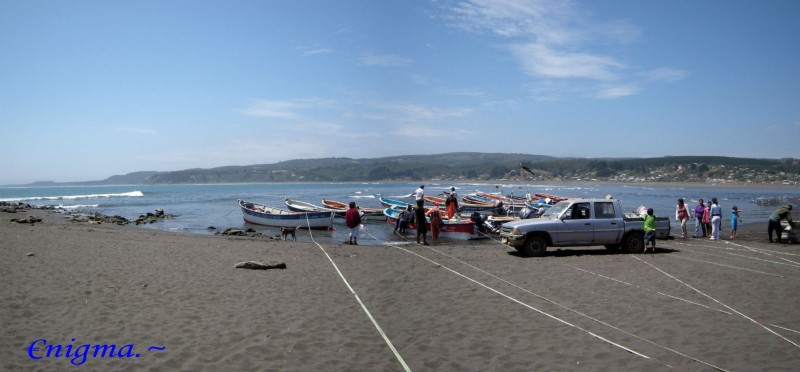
<point x="633" y="242"/>
<point x="534" y="246"/>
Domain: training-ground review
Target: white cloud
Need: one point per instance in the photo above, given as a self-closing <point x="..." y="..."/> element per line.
<point x="285" y="109"/>
<point x="142" y="131"/>
<point x="555" y="41"/>
<point x="544" y="61"/>
<point x="617" y="91"/>
<point x="385" y="60"/>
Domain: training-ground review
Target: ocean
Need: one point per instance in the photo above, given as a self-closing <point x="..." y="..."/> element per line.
<point x="199" y="207"/>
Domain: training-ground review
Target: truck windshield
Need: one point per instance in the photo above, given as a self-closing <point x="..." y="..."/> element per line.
<point x="556" y="209"/>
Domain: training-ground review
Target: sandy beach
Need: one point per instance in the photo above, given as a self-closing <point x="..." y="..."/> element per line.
<point x="175" y="302"/>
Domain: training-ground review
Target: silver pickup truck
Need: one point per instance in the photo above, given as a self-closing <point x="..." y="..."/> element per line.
<point x="581" y="222"/>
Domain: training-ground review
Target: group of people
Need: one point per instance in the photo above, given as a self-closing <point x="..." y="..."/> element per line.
<point x="410" y="214"/>
<point x="708" y="219"/>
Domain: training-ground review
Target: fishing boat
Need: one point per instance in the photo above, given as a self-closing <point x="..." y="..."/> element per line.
<point x="301" y="206"/>
<point x="265" y="215"/>
<point x="393" y="203"/>
<point x="451" y="229"/>
<point x="366" y="213"/>
<point x="462" y="207"/>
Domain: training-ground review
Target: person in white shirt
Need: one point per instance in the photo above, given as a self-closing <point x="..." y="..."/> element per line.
<point x="419" y="196"/>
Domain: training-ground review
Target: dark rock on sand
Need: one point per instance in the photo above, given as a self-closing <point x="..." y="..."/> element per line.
<point x="30" y="219"/>
<point x="256" y="265"/>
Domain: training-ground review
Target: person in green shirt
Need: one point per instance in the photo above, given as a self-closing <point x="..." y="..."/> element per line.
<point x="784" y="212"/>
<point x="649" y="229"/>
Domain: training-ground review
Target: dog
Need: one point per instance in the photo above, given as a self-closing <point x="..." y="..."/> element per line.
<point x="286" y="231"/>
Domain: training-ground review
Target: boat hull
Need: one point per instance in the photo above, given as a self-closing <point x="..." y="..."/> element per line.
<point x="264" y="215"/>
<point x="458" y="230"/>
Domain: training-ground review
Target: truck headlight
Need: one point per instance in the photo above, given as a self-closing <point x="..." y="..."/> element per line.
<point x="515" y="231"/>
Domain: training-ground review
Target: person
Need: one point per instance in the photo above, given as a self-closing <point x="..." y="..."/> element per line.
<point x="682" y="215"/>
<point x="734" y="221"/>
<point x="422" y="225"/>
<point x="352" y="218"/>
<point x="783" y="212"/>
<point x="404" y="220"/>
<point x="716" y="218"/>
<point x="419" y="196"/>
<point x="436" y="221"/>
<point x="699" y="227"/>
<point x="649" y="229"/>
<point x="451" y="205"/>
<point x="707" y="218"/>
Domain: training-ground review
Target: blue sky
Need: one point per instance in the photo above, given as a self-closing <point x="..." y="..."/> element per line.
<point x="89" y="89"/>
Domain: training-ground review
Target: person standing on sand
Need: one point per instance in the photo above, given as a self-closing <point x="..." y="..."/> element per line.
<point x="352" y="218"/>
<point x="707" y="218"/>
<point x="436" y="221"/>
<point x="649" y="229"/>
<point x="699" y="227"/>
<point x="422" y="225"/>
<point x="451" y="205"/>
<point x="716" y="218"/>
<point x="784" y="212"/>
<point x="734" y="221"/>
<point x="682" y="215"/>
<point x="404" y="220"/>
<point x="419" y="196"/>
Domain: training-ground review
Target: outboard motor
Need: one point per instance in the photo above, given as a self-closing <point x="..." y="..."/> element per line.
<point x="500" y="209"/>
<point x="527" y="213"/>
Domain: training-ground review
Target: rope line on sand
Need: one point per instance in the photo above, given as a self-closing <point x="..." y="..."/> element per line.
<point x="558" y="304"/>
<point x="364" y="307"/>
<point x="516" y="300"/>
<point x="794" y="263"/>
<point x="719" y="302"/>
<point x="649" y="290"/>
<point x="586" y="315"/>
<point x="732" y="267"/>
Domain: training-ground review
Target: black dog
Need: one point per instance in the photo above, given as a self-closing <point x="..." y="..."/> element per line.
<point x="286" y="231"/>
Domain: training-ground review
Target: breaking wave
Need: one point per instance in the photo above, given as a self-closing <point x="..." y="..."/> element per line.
<point x="132" y="194"/>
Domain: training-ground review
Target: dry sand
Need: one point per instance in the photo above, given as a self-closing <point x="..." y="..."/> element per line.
<point x="693" y="305"/>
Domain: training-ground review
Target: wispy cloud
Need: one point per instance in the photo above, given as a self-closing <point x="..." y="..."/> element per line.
<point x="385" y="60"/>
<point x="140" y="131"/>
<point x="554" y="40"/>
<point x="285" y="109"/>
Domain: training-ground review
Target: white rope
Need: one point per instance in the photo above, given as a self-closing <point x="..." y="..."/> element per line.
<point x="719" y="302"/>
<point x="364" y="307"/>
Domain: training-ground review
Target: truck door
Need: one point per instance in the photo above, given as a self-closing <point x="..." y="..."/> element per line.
<point x="607" y="225"/>
<point x="576" y="226"/>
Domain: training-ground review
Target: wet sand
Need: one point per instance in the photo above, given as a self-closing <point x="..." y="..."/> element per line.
<point x="693" y="305"/>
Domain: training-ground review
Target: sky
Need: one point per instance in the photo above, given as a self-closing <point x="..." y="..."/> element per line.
<point x="91" y="89"/>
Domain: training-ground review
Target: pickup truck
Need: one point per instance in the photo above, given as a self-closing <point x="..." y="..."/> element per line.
<point x="581" y="222"/>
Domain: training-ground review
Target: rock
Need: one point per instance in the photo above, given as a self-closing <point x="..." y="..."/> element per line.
<point x="30" y="254"/>
<point x="211" y="228"/>
<point x="29" y="219"/>
<point x="256" y="265"/>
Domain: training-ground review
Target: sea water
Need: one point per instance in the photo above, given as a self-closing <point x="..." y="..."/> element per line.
<point x="198" y="207"/>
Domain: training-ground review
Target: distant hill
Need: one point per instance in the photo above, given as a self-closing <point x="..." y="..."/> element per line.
<point x="135" y="178"/>
<point x="463" y="166"/>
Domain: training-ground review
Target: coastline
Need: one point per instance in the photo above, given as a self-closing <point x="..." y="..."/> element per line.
<point x="457" y="306"/>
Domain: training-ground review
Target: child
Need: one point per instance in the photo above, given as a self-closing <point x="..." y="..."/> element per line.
<point x="649" y="229"/>
<point x="734" y="221"/>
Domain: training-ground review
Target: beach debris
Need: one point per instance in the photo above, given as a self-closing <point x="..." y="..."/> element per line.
<point x="98" y="218"/>
<point x="250" y="232"/>
<point x="258" y="265"/>
<point x="12" y="207"/>
<point x="153" y="217"/>
<point x="30" y="254"/>
<point x="30" y="219"/>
